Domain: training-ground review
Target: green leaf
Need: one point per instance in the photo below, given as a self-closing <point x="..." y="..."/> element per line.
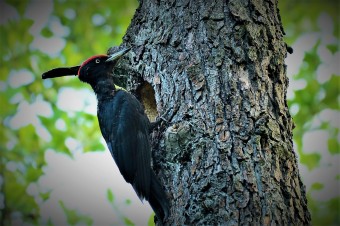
<point x="317" y="186"/>
<point x="29" y="139"/>
<point x="333" y="146"/>
<point x="311" y="160"/>
<point x="332" y="90"/>
<point x="45" y="195"/>
<point x="151" y="221"/>
<point x="128" y="222"/>
<point x="110" y="196"/>
<point x="94" y="146"/>
<point x="46" y="32"/>
<point x="337" y="177"/>
<point x="20" y="5"/>
<point x="324" y="212"/>
<point x="74" y="218"/>
<point x="333" y="48"/>
<point x="312" y="58"/>
<point x="16" y="196"/>
<point x="33" y="174"/>
<point x="128" y="201"/>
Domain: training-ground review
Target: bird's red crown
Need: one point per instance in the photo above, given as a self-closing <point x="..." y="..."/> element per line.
<point x="89" y="59"/>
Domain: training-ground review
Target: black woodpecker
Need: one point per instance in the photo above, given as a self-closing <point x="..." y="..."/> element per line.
<point x="124" y="126"/>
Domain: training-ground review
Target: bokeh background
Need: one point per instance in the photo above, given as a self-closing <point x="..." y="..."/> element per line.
<point x="54" y="166"/>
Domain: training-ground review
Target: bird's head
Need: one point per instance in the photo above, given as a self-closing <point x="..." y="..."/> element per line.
<point x="91" y="70"/>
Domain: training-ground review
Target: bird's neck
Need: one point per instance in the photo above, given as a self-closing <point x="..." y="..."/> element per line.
<point x="104" y="89"/>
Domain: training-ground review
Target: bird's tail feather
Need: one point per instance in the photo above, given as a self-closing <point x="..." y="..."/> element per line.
<point x="158" y="199"/>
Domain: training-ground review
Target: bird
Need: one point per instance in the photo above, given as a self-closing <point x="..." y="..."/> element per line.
<point x="124" y="126"/>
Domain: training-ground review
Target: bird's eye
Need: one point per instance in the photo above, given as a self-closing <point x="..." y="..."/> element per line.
<point x="97" y="61"/>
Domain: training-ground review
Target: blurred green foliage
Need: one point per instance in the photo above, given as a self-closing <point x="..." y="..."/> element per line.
<point x="29" y="41"/>
<point x="315" y="105"/>
<point x="81" y="29"/>
<point x="74" y="218"/>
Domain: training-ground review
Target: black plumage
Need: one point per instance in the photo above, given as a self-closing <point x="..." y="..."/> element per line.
<point x="124" y="126"/>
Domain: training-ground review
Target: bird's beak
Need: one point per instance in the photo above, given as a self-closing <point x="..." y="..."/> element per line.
<point x="118" y="54"/>
<point x="60" y="72"/>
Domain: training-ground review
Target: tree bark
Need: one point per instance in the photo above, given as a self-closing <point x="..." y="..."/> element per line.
<point x="217" y="74"/>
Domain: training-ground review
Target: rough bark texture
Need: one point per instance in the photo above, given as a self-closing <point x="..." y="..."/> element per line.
<point x="218" y="75"/>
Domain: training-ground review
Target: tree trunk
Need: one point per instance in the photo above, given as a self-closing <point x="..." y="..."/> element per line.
<point x="217" y="74"/>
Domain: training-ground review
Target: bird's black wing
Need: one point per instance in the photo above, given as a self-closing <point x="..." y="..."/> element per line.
<point x="125" y="127"/>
